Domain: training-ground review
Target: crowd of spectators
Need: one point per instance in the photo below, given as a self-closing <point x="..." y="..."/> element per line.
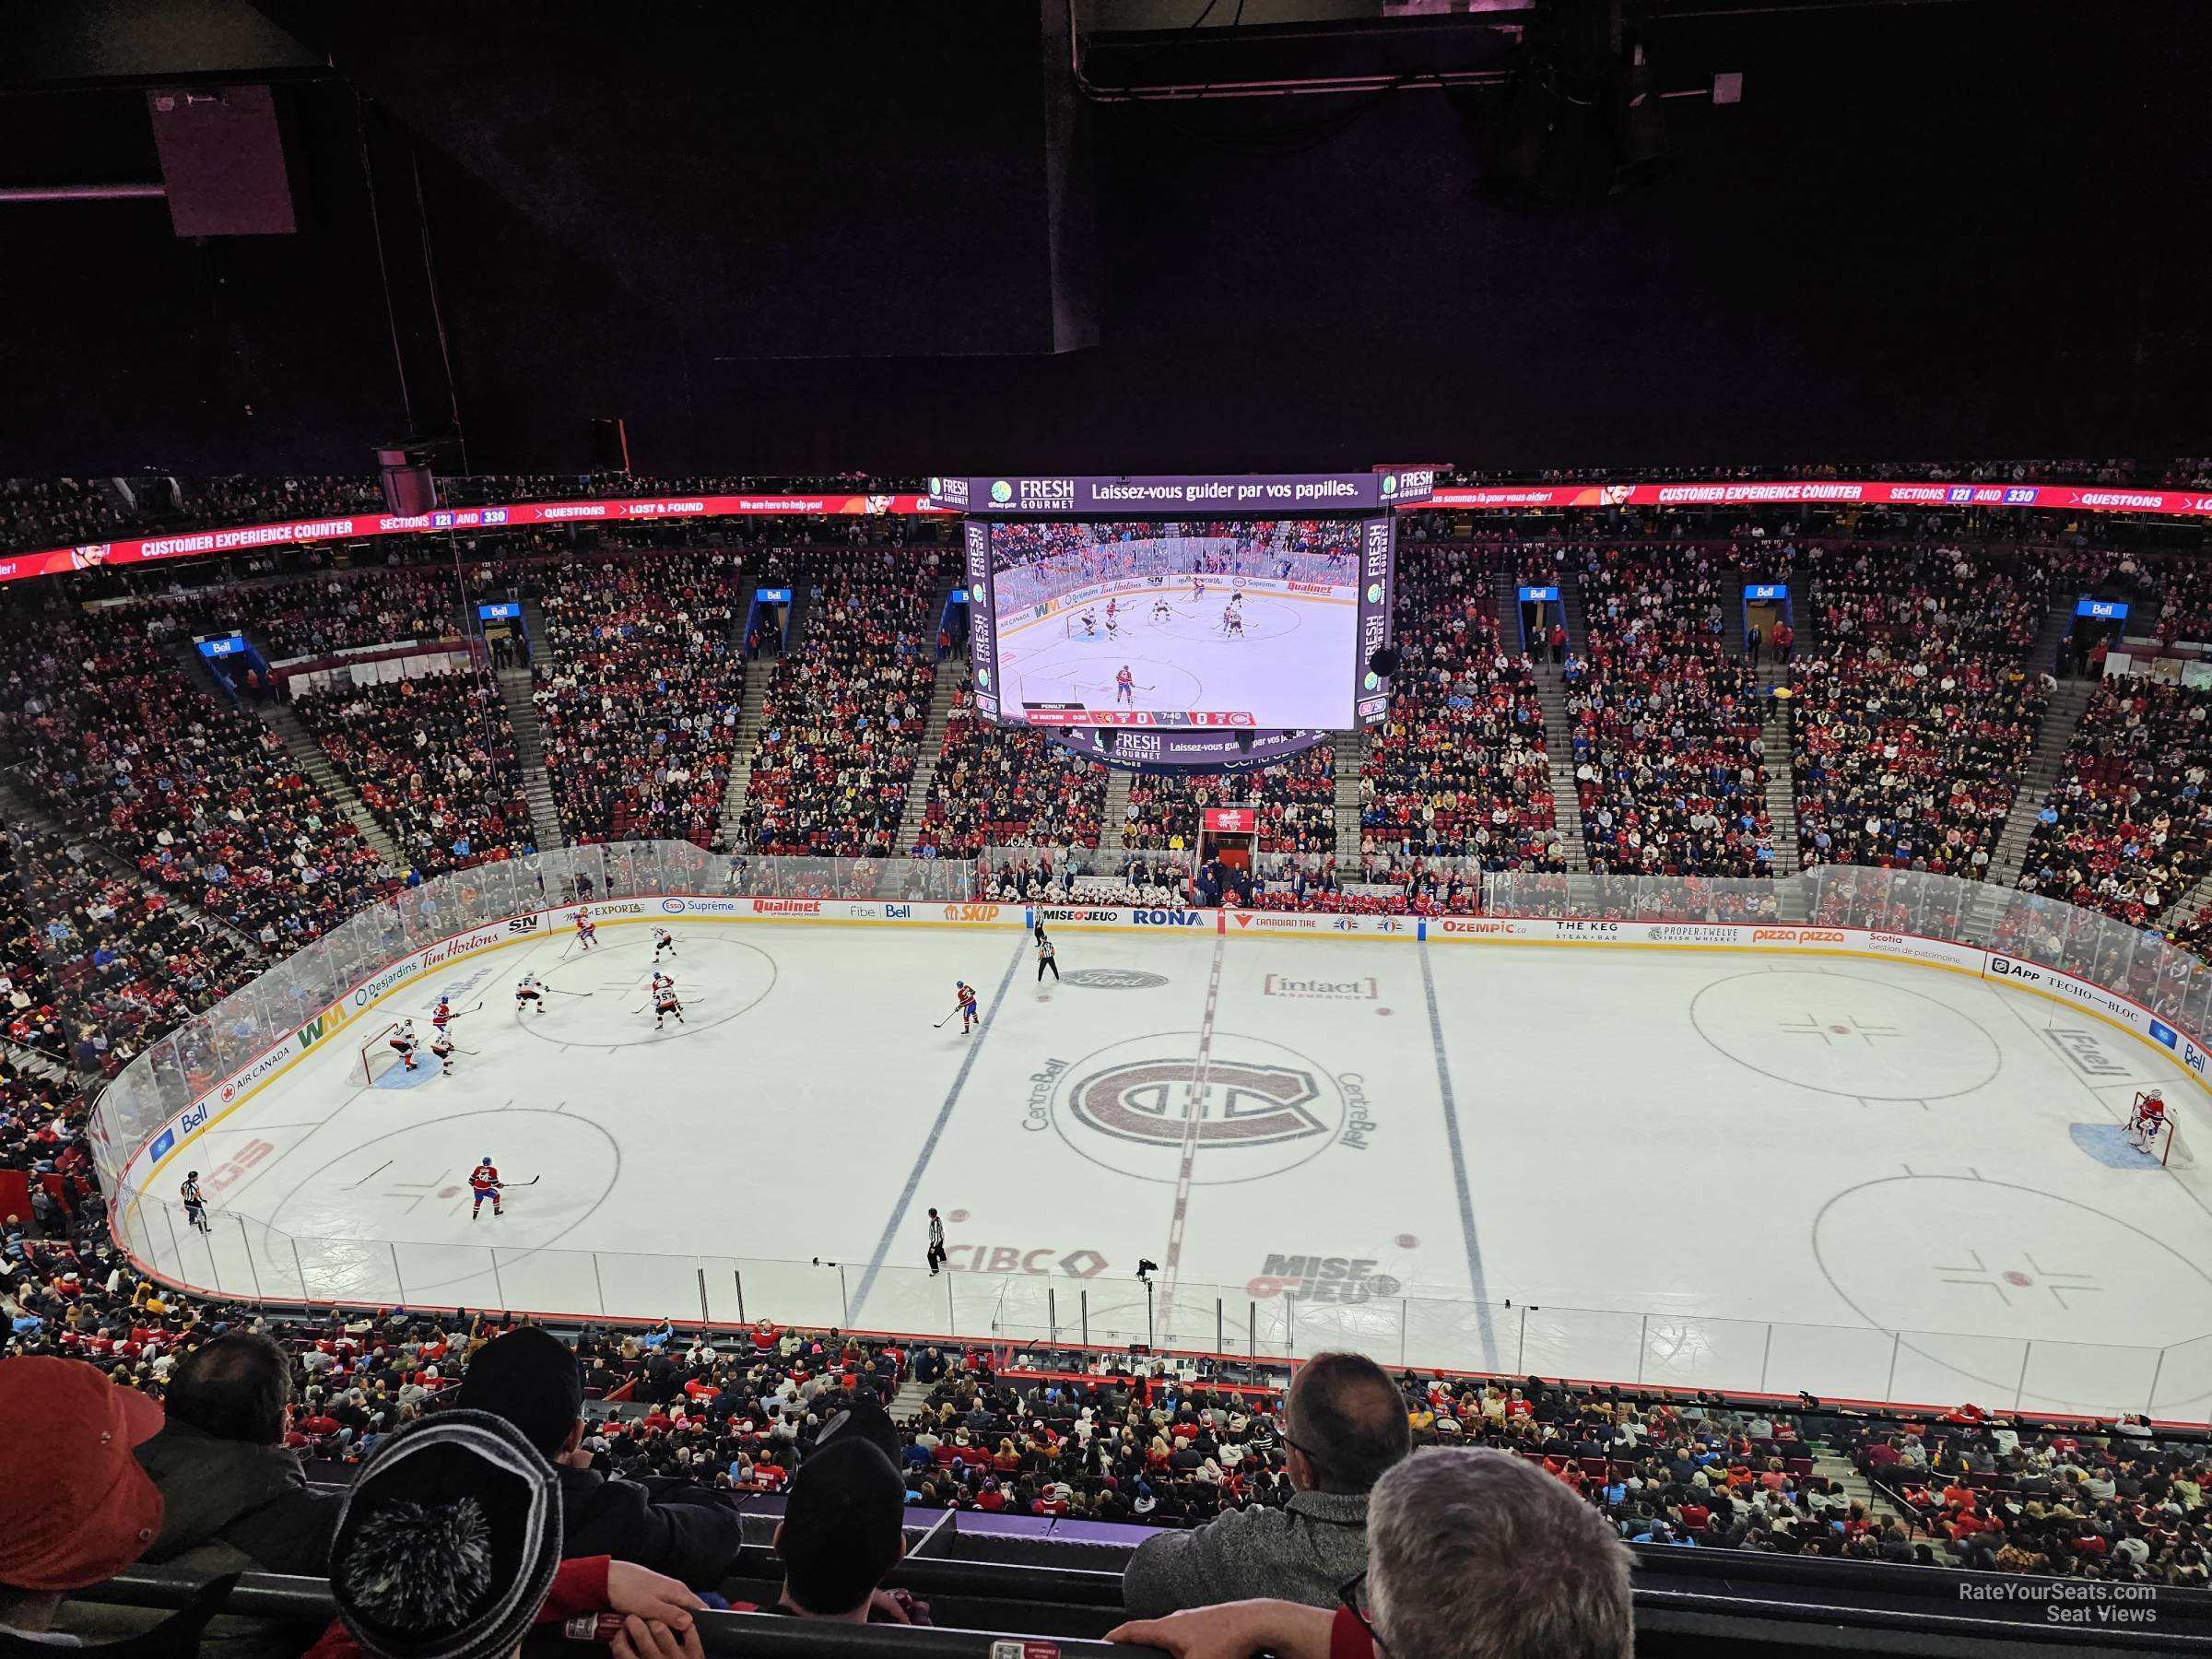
<point x="115" y="964"/>
<point x="638" y="694"/>
<point x="1668" y="764"/>
<point x="32" y="1010"/>
<point x="2179" y="473"/>
<point x="843" y="716"/>
<point x="998" y="785"/>
<point x="200" y="797"/>
<point x="434" y="759"/>
<point x="2124" y="829"/>
<point x="1459" y="768"/>
<point x="46" y="513"/>
<point x="1913" y="719"/>
<point x="361" y="608"/>
<point x="2089" y="1502"/>
<point x="1293" y="802"/>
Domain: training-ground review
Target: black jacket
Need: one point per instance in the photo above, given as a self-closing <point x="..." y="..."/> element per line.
<point x="254" y="1498"/>
<point x="671" y="1526"/>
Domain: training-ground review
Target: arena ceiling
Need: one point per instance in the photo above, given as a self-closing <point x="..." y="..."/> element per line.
<point x="982" y="237"/>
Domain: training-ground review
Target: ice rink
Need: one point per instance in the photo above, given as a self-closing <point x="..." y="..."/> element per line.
<point x="1294" y="667"/>
<point x="1865" y="1179"/>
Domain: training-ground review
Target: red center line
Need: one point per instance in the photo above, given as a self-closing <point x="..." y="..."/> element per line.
<point x="1193" y="1117"/>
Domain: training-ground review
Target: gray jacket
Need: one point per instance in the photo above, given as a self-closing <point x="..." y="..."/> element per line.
<point x="254" y="1499"/>
<point x="1303" y="1552"/>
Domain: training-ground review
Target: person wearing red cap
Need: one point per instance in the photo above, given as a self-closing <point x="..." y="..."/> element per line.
<point x="75" y="1509"/>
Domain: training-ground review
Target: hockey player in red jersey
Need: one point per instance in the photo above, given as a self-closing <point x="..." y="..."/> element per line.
<point x="587" y="930"/>
<point x="484" y="1182"/>
<point x="2150" y="1120"/>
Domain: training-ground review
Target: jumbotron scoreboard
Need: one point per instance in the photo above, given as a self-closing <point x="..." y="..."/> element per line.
<point x="1185" y="621"/>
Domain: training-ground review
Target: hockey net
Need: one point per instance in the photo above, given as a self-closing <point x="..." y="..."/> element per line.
<point x="2168" y="1146"/>
<point x="378" y="1056"/>
<point x="1071" y="624"/>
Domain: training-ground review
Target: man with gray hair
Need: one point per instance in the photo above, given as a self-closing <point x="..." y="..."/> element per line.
<point x="1471" y="1555"/>
<point x="1343" y="1425"/>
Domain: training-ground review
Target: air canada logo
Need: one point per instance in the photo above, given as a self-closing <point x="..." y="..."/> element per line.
<point x="1247" y="1109"/>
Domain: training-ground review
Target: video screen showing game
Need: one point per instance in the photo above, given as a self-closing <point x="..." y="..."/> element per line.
<point x="1242" y="622"/>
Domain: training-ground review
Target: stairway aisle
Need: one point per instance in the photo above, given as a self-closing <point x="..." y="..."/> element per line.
<point x="530" y="755"/>
<point x="751" y="706"/>
<point x="1351" y="756"/>
<point x="1775" y="751"/>
<point x="308" y="756"/>
<point x="1567" y="812"/>
<point x="2060" y="718"/>
<point x="933" y="734"/>
<point x="1110" y="846"/>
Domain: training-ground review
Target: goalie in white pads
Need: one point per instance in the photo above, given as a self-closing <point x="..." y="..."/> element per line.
<point x="2147" y="1128"/>
<point x="402" y="1044"/>
<point x="530" y="993"/>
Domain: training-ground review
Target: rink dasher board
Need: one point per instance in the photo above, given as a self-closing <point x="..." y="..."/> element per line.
<point x="179" y="1132"/>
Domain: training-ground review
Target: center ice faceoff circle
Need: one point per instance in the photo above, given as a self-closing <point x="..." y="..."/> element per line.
<point x="1840" y="1034"/>
<point x="1243" y="1109"/>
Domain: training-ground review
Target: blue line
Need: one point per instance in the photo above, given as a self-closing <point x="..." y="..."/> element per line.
<point x="936" y="1130"/>
<point x="1459" y="1167"/>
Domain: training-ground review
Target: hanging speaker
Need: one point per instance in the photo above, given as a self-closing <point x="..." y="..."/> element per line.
<point x="409" y="490"/>
<point x="1384" y="662"/>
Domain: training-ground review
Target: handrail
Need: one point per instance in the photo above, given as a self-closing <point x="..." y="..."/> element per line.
<point x="1884" y="1605"/>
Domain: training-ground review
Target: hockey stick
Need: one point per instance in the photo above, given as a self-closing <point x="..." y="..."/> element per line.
<point x="557" y="991"/>
<point x="940" y="1023"/>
